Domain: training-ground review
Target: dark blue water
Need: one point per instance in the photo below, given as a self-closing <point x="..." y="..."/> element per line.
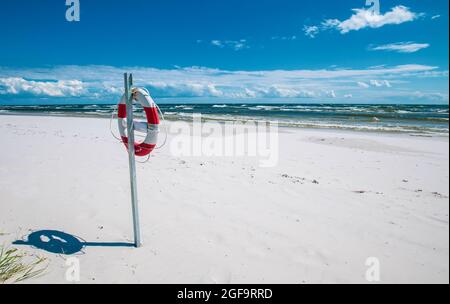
<point x="420" y="119"/>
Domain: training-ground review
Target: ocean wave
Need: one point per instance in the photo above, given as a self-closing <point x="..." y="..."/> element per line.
<point x="404" y="118"/>
<point x="265" y="108"/>
<point x="373" y="127"/>
<point x="184" y="107"/>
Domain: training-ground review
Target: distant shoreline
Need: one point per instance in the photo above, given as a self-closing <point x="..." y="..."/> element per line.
<point x="422" y="120"/>
<point x="283" y="126"/>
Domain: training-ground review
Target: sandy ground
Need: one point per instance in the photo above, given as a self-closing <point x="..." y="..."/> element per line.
<point x="334" y="200"/>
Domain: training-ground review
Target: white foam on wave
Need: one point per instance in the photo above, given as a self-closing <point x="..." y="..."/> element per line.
<point x="184" y="107"/>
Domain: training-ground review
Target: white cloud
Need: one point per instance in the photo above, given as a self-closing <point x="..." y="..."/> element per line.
<point x="285" y="38"/>
<point x="249" y="93"/>
<point x="330" y="23"/>
<point x="364" y="18"/>
<point x="435" y="17"/>
<point x="236" y="45"/>
<point x="374" y="83"/>
<point x="380" y="83"/>
<point x="184" y="89"/>
<point x="217" y="43"/>
<point x="105" y="82"/>
<point x="280" y="91"/>
<point x="61" y="88"/>
<point x="401" y="47"/>
<point x="433" y="96"/>
<point x="362" y="84"/>
<point x="311" y="31"/>
<point x="331" y="94"/>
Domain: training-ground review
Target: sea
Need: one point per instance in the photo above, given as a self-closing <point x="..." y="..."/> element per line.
<point x="413" y="119"/>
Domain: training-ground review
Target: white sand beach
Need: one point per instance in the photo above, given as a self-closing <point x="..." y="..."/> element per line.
<point x="335" y="199"/>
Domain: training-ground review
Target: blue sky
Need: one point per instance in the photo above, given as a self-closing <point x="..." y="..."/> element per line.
<point x="226" y="51"/>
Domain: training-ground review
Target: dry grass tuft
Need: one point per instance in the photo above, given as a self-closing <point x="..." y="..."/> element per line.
<point x="14" y="266"/>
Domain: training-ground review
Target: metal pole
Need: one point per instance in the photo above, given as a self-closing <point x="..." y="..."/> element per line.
<point x="131" y="159"/>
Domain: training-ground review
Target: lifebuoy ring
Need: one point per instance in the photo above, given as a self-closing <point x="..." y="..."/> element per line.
<point x="151" y="112"/>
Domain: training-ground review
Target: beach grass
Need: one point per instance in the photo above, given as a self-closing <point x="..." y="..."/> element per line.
<point x="15" y="268"/>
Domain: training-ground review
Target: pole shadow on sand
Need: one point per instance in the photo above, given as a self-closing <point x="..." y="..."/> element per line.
<point x="62" y="243"/>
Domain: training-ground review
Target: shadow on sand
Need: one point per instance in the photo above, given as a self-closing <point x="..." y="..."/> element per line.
<point x="62" y="243"/>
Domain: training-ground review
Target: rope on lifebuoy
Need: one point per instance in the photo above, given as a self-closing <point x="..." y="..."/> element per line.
<point x="152" y="112"/>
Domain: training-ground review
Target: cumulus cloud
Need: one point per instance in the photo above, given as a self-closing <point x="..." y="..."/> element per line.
<point x="61" y="88"/>
<point x="364" y="18"/>
<point x="106" y="82"/>
<point x="401" y="47"/>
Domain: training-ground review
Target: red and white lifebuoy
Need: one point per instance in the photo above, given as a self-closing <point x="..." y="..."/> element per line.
<point x="151" y="112"/>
